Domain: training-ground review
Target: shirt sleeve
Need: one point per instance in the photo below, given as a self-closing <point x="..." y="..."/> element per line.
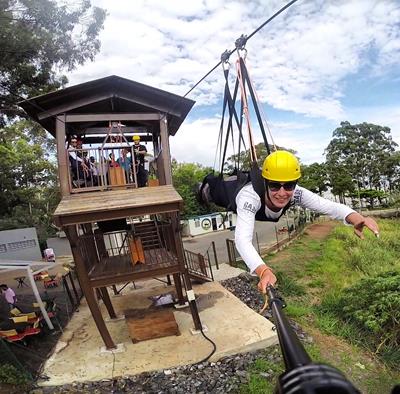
<point x="307" y="199"/>
<point x="248" y="203"/>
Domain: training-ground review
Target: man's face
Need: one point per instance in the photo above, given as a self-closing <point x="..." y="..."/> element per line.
<point x="280" y="193"/>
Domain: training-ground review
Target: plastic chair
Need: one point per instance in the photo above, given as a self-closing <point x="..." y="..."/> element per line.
<point x="36" y="304"/>
<point x="50" y="282"/>
<point x="19" y="319"/>
<point x="15" y="312"/>
<point x="32" y="330"/>
<point x="12" y="335"/>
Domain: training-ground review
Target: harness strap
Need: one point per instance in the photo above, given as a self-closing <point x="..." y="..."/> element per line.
<point x="246" y="77"/>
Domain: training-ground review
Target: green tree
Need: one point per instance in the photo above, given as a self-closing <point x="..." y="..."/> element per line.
<point x="363" y="151"/>
<point x="391" y="172"/>
<point x="314" y="178"/>
<point x="243" y="162"/>
<point x="38" y="38"/>
<point x="28" y="178"/>
<point x="186" y="178"/>
<point x="340" y="180"/>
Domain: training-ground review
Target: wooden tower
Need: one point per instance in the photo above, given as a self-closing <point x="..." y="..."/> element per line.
<point x="103" y="211"/>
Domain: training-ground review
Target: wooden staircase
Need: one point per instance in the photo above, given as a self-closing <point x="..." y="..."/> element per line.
<point x="151" y="235"/>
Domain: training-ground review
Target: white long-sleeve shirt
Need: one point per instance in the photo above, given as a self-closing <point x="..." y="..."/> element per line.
<point x="248" y="203"/>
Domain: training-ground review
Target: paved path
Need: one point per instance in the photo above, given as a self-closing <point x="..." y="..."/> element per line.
<point x="200" y="243"/>
<point x="265" y="231"/>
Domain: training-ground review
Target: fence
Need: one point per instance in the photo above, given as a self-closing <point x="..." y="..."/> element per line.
<point x="101" y="168"/>
<point x="283" y="235"/>
<point x="199" y="265"/>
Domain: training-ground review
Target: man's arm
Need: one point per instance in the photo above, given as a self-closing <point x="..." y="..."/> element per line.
<point x="307" y="199"/>
<point x="248" y="202"/>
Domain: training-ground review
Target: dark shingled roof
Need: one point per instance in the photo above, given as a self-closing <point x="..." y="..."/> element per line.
<point x="111" y="94"/>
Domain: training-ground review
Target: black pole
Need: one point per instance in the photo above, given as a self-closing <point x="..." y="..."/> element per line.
<point x="301" y="375"/>
<point x="293" y="352"/>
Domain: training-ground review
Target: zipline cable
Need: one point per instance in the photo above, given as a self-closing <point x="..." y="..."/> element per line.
<point x="247" y="39"/>
<point x="264" y="117"/>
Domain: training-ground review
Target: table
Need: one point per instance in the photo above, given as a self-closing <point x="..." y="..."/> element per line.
<point x="21" y="281"/>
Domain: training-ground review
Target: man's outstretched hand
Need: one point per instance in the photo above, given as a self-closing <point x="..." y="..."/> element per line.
<point x="359" y="222"/>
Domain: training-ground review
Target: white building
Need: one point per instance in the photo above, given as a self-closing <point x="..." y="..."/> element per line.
<point x="204" y="224"/>
<point x="20" y="244"/>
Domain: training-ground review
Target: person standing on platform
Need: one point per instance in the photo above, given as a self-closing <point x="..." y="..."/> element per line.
<point x="140" y="152"/>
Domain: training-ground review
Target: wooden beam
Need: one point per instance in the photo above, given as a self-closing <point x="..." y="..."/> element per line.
<point x="139" y="100"/>
<point x="165" y="153"/>
<point x="72" y="235"/>
<point x="63" y="173"/>
<point x="72" y="118"/>
<point x="115" y="214"/>
<point x="71" y="105"/>
<point x="132" y="276"/>
<point x="125" y="130"/>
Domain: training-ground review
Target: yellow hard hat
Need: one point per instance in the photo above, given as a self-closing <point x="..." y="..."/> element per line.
<point x="281" y="166"/>
<point x="136" y="138"/>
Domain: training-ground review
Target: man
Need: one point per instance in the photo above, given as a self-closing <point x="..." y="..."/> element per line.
<point x="79" y="169"/>
<point x="280" y="173"/>
<point x="9" y="295"/>
<point x="125" y="162"/>
<point x="140" y="152"/>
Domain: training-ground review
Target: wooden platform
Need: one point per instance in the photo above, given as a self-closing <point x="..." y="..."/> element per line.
<point x="144" y="324"/>
<point x="120" y="268"/>
<point x="114" y="204"/>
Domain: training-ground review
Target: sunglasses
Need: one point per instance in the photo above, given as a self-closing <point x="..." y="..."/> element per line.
<point x="276" y="186"/>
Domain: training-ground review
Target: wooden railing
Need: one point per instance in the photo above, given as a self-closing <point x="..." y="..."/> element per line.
<point x="101" y="168"/>
<point x="199" y="266"/>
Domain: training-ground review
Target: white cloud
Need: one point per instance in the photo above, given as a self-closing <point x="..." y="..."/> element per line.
<point x="196" y="142"/>
<point x="384" y="116"/>
<point x="301" y="62"/>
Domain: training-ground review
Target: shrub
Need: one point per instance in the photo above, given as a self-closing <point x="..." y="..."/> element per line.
<point x="11" y="375"/>
<point x="373" y="304"/>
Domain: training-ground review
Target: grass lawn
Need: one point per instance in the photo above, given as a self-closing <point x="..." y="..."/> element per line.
<point x="313" y="271"/>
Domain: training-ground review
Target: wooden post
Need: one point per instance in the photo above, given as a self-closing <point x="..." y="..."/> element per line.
<point x="181" y="259"/>
<point x="178" y="287"/>
<point x="78" y="301"/>
<point x="86" y="287"/>
<point x="66" y="287"/>
<point x="215" y="254"/>
<point x="63" y="173"/>
<point x="166" y="155"/>
<point x="107" y="302"/>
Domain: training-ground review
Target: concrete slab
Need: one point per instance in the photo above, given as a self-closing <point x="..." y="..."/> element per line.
<point x="226" y="271"/>
<point x="233" y="327"/>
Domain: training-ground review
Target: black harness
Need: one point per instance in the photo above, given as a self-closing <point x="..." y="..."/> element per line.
<point x="223" y="192"/>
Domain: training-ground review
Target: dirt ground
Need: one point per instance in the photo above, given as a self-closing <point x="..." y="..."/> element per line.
<point x="320" y="230"/>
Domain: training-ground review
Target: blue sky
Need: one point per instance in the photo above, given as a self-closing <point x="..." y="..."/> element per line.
<point x="317" y="64"/>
